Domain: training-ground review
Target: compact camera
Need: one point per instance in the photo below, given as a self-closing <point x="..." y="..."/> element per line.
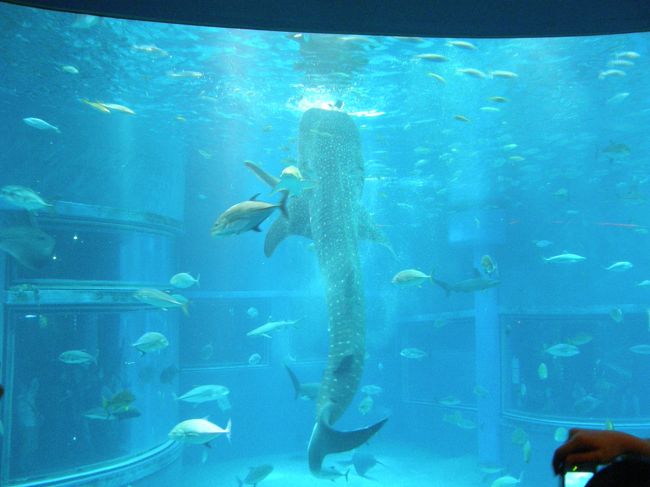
<point x="578" y="475"/>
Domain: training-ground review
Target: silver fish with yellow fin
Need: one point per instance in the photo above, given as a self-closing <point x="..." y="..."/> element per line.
<point x="244" y="216"/>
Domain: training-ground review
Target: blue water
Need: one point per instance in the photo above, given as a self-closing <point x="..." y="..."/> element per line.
<point x="451" y="174"/>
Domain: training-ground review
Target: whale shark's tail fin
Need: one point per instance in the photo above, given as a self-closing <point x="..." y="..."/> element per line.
<point x="325" y="440"/>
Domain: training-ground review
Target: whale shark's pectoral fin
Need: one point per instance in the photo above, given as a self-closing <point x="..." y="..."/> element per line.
<point x="262" y="174"/>
<point x="296" y="224"/>
<point x="368" y="230"/>
<point x="325" y="440"/>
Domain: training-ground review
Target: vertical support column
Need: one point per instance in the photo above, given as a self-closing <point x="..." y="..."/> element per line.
<point x="489" y="233"/>
<point x="483" y="230"/>
<point x="488" y="365"/>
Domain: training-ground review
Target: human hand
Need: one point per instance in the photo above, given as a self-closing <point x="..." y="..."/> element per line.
<point x="596" y="446"/>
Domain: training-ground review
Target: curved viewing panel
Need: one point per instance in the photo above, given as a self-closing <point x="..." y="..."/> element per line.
<point x="407" y="259"/>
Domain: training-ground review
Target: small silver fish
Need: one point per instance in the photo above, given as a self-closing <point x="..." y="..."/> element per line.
<point x="160" y="299"/>
<point x="150" y="342"/>
<point x="184" y="280"/>
<point x="39" y="124"/>
<point x="23" y="197"/>
<point x="77" y="357"/>
<point x="413" y="353"/>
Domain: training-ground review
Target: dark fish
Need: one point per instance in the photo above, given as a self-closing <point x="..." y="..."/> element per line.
<point x="307" y="390"/>
<point x="168" y="374"/>
<point x="119" y="403"/>
<point x="147" y="374"/>
<point x="362" y="462"/>
<point x="30" y="246"/>
<point x="128" y="413"/>
<point x="256" y="475"/>
<point x="2" y="391"/>
<point x="477" y="283"/>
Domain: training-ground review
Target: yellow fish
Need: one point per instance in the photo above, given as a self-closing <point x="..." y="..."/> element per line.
<point x="503" y="74"/>
<point x="96" y="105"/>
<point x="437" y="77"/>
<point x="463" y="45"/>
<point x="542" y="371"/>
<point x="438" y="58"/>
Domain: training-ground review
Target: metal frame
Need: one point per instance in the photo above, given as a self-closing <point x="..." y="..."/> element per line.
<point x="121" y="472"/>
<point x="62" y="295"/>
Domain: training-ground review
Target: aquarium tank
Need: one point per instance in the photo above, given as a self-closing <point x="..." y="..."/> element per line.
<point x="254" y="257"/>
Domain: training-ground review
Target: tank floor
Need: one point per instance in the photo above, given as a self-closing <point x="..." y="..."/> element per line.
<point x="403" y="466"/>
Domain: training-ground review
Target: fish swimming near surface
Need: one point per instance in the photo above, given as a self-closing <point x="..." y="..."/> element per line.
<point x="477" y="283"/>
<point x="245" y="216"/>
<point x="620" y="266"/>
<point x="307" y="390"/>
<point x="39" y="124"/>
<point x="30" y="246"/>
<point x="331" y="215"/>
<point x="565" y="258"/>
<point x="119" y="108"/>
<point x="256" y="475"/>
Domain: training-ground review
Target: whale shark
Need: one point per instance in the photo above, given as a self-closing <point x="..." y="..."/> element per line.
<point x="330" y="213"/>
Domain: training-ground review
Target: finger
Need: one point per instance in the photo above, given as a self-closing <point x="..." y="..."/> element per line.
<point x="574" y="431"/>
<point x="564" y="449"/>
<point x="573" y="445"/>
<point x="578" y="458"/>
<point x="559" y="458"/>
